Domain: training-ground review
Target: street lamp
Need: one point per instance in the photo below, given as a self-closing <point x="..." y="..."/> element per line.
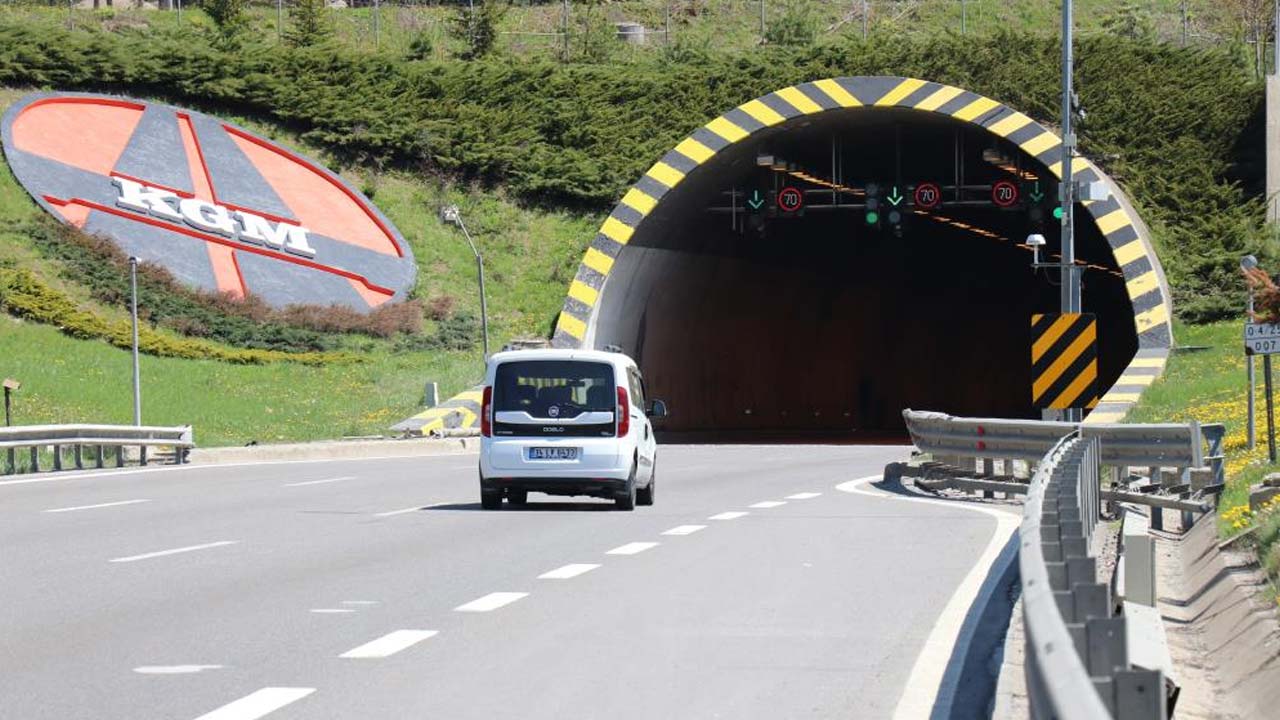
<point x="449" y="214"/>
<point x="1247" y="263"/>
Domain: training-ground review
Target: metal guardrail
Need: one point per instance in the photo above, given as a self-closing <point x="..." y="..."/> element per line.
<point x="1078" y="662"/>
<point x="1165" y="445"/>
<point x="97" y="439"/>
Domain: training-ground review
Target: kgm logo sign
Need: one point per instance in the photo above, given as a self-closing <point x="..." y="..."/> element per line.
<point x="221" y="208"/>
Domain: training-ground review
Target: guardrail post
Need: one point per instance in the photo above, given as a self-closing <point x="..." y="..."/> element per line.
<point x="35" y="459"/>
<point x="57" y="457"/>
<point x="97" y="456"/>
<point x="79" y="457"/>
<point x="142" y="455"/>
<point x="1140" y="695"/>
<point x="119" y="456"/>
<point x="1157" y="514"/>
<point x="11" y="466"/>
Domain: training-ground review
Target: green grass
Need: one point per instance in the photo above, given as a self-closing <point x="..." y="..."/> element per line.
<point x="67" y="380"/>
<point x="530" y="257"/>
<point x="1210" y="385"/>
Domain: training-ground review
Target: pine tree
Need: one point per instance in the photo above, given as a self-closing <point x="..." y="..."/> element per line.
<point x="309" y="23"/>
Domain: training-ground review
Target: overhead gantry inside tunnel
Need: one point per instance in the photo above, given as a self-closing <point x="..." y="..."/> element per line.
<point x="814" y="261"/>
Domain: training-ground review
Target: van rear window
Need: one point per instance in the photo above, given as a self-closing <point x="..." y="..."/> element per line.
<point x="572" y="387"/>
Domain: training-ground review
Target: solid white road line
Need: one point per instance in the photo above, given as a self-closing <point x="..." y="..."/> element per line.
<point x="803" y="496"/>
<point x="175" y="551"/>
<point x="633" y="548"/>
<point x="94" y="507"/>
<point x="415" y="508"/>
<point x="492" y="601"/>
<point x="389" y="644"/>
<point x="684" y="529"/>
<point x="258" y="703"/>
<point x="174" y="669"/>
<point x="320" y="482"/>
<point x="571" y="570"/>
<point x="732" y="515"/>
<point x="927" y="674"/>
<point x="766" y="504"/>
<point x="125" y="472"/>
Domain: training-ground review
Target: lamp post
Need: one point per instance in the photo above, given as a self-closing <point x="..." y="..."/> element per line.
<point x="10" y="386"/>
<point x="133" y="316"/>
<point x="1249" y="262"/>
<point x="450" y="214"/>
<point x="1070" y="273"/>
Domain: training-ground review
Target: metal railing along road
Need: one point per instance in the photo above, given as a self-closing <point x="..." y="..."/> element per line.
<point x="1077" y="662"/>
<point x="89" y="445"/>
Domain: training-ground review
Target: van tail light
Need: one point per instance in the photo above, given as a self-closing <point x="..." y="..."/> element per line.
<point x="486" y="410"/>
<point x="624" y="413"/>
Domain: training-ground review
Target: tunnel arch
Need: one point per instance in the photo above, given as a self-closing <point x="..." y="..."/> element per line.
<point x="1115" y="219"/>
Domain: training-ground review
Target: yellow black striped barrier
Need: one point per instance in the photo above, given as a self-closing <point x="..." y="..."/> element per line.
<point x="1064" y="360"/>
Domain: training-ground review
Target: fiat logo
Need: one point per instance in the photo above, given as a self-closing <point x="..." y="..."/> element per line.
<point x="553" y="411"/>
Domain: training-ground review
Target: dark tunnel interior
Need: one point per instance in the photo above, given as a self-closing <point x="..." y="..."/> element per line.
<point x="759" y="324"/>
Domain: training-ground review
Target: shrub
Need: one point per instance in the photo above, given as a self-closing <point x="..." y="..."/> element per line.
<point x="23" y="295"/>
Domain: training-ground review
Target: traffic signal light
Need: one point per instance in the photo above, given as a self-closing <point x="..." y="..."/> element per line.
<point x="873" y="205"/>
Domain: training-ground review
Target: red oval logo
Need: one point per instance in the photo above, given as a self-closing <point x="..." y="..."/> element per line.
<point x="219" y="207"/>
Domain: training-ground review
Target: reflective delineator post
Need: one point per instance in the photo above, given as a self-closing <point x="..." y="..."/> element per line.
<point x="133" y="313"/>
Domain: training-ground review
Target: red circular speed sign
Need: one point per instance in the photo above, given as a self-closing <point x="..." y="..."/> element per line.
<point x="790" y="199"/>
<point x="928" y="196"/>
<point x="1004" y="194"/>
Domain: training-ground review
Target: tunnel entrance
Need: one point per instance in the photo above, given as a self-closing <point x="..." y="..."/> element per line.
<point x="902" y="280"/>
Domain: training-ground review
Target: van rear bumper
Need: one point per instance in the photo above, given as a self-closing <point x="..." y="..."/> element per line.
<point x="596" y="487"/>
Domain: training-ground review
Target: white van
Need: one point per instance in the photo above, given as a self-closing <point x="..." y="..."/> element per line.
<point x="566" y="422"/>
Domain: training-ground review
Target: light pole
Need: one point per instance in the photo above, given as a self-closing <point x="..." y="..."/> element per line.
<point x="1070" y="274"/>
<point x="133" y="315"/>
<point x="1249" y="262"/>
<point x="10" y="386"/>
<point x="450" y="214"/>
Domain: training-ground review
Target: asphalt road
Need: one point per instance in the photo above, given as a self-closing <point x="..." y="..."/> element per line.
<point x="754" y="588"/>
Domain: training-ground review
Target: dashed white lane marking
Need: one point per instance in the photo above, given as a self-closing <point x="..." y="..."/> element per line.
<point x="174" y="669"/>
<point x="766" y="504"/>
<point x="174" y="551"/>
<point x="731" y="515"/>
<point x="320" y="482"/>
<point x="633" y="548"/>
<point x="415" y="508"/>
<point x="258" y="703"/>
<point x="359" y="602"/>
<point x="389" y="644"/>
<point x="331" y="611"/>
<point x="803" y="496"/>
<point x="95" y="507"/>
<point x="571" y="570"/>
<point x="492" y="601"/>
<point x="925" y="683"/>
<point x="684" y="529"/>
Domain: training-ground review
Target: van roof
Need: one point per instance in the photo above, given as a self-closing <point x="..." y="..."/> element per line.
<point x="613" y="358"/>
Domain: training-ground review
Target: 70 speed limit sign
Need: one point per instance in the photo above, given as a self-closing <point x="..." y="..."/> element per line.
<point x="1261" y="339"/>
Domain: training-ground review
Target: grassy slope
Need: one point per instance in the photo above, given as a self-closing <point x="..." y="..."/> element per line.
<point x="530" y="257"/>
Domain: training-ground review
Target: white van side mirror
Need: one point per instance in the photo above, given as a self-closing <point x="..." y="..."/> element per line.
<point x="657" y="409"/>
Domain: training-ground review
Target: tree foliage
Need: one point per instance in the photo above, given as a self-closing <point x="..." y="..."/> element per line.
<point x="476" y="25"/>
<point x="1180" y="127"/>
<point x="308" y="23"/>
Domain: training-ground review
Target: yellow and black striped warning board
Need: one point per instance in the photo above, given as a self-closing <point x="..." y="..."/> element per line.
<point x="1064" y="360"/>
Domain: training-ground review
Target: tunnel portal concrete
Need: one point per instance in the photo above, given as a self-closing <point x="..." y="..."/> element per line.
<point x="796" y="325"/>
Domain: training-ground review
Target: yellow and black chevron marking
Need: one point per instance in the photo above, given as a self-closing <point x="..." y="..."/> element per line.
<point x="1064" y="360"/>
<point x="1133" y="255"/>
<point x="858" y="94"/>
<point x="460" y="411"/>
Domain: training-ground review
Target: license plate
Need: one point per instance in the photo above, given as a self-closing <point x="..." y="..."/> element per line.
<point x="553" y="453"/>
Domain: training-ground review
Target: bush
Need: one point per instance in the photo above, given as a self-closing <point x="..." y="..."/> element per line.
<point x="98" y="264"/>
<point x="1180" y="126"/>
<point x="23" y="295"/>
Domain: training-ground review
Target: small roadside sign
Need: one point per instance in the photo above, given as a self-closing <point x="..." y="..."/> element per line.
<point x="1261" y="339"/>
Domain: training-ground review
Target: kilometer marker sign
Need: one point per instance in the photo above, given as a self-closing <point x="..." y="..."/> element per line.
<point x="1261" y="339"/>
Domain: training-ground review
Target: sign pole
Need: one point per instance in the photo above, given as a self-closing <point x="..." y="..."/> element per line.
<point x="1271" y="420"/>
<point x="1070" y="278"/>
<point x="1251" y="422"/>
